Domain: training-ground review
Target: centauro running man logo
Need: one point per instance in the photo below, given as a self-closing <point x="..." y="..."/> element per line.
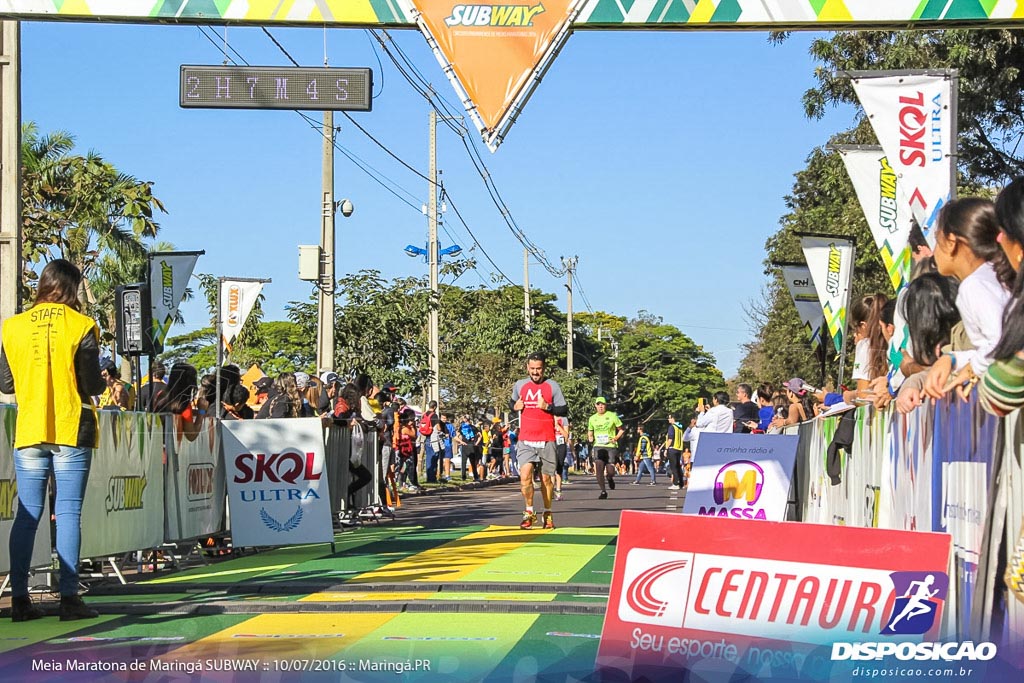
<point x="493" y="15"/>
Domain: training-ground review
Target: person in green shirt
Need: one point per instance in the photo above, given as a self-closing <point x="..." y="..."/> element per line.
<point x="604" y="429"/>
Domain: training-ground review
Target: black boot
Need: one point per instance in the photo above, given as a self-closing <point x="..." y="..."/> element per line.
<point x="72" y="608"/>
<point x="22" y="609"/>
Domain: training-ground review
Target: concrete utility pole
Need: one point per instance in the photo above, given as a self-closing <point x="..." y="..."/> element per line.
<point x="10" y="169"/>
<point x="570" y="266"/>
<point x="435" y="359"/>
<point x="527" y="313"/>
<point x="615" y="375"/>
<point x="325" y="306"/>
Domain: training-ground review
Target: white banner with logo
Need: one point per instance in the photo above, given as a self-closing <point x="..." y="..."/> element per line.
<point x="194" y="489"/>
<point x="805" y="298"/>
<point x="169" y="273"/>
<point x="9" y="497"/>
<point x="124" y="501"/>
<point x="744" y="476"/>
<point x="237" y="297"/>
<point x="830" y="260"/>
<point x="912" y="118"/>
<point x="277" y="486"/>
<point x="885" y="209"/>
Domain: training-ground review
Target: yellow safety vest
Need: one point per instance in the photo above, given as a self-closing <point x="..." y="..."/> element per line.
<point x="643" y="446"/>
<point x="40" y="345"/>
<point x="677" y="438"/>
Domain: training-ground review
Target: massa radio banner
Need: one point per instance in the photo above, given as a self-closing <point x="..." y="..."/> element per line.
<point x="717" y="596"/>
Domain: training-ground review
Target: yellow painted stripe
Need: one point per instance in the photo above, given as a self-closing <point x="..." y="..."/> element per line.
<point x="279" y="636"/>
<point x="359" y="596"/>
<point x="703" y="12"/>
<point x="455" y="559"/>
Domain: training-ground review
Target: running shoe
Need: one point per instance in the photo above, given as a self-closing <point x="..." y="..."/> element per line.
<point x="653" y="483"/>
<point x="673" y="487"/>
<point x="529" y="520"/>
<point x="604" y="494"/>
<point x="611" y="483"/>
<point x="549" y="522"/>
<point x="558" y="495"/>
<point x="635" y="483"/>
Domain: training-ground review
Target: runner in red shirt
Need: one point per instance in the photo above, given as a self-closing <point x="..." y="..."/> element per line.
<point x="538" y="401"/>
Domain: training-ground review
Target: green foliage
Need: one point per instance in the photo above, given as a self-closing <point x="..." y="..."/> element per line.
<point x="276" y="347"/>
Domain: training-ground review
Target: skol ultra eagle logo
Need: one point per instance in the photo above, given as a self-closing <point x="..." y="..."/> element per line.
<point x="495" y="16"/>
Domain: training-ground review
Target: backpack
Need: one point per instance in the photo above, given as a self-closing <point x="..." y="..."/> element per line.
<point x="426" y="428"/>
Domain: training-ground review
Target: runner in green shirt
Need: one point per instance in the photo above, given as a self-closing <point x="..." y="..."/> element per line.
<point x="604" y="429"/>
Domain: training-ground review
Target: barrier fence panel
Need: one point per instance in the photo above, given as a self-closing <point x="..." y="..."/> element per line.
<point x="9" y="497"/>
<point x="123" y="508"/>
<point x="194" y="486"/>
<point x="1011" y="483"/>
<point x="352" y="460"/>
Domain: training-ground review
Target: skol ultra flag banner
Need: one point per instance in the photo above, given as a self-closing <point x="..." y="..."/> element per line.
<point x="830" y="260"/>
<point x="168" y="279"/>
<point x="912" y="116"/>
<point x="495" y="52"/>
<point x="887" y="213"/>
<point x="805" y="298"/>
<point x="237" y="297"/>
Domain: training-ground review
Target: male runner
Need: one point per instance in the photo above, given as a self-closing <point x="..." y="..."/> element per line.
<point x="538" y="401"/>
<point x="604" y="429"/>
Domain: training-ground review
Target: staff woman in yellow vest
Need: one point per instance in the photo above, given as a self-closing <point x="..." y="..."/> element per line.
<point x="49" y="360"/>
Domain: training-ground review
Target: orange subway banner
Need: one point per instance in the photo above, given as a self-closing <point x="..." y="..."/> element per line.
<point x="494" y="49"/>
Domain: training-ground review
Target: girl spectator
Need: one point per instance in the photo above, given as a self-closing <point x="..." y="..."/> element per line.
<point x="286" y="400"/>
<point x="967" y="248"/>
<point x="1002" y="387"/>
<point x="869" y="360"/>
<point x="799" y="408"/>
<point x="766" y="409"/>
<point x="183" y="400"/>
<point x="929" y="307"/>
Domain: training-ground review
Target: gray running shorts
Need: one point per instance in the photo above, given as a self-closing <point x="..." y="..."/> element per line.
<point x="545" y="455"/>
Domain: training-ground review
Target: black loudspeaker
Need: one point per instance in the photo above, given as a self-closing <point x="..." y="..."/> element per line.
<point x="134" y="320"/>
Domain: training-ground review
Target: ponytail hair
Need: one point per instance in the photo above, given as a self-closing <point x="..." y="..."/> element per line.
<point x="868" y="309"/>
<point x="973" y="220"/>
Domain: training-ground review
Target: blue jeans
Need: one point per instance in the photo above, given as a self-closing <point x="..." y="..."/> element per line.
<point x="433" y="457"/>
<point x="646" y="464"/>
<point x="70" y="467"/>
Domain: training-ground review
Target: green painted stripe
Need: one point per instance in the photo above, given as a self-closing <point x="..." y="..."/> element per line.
<point x="460" y="647"/>
<point x="728" y="11"/>
<point x="558" y="656"/>
<point x="817" y="5"/>
<point x="555" y="557"/>
<point x="677" y="13"/>
<point x="606" y="12"/>
<point x="966" y="9"/>
<point x="382" y="8"/>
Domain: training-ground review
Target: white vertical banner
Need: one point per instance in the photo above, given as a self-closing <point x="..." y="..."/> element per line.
<point x="123" y="508"/>
<point x="9" y="497"/>
<point x="277" y="486"/>
<point x="830" y="260"/>
<point x="912" y="115"/>
<point x="169" y="273"/>
<point x="805" y="298"/>
<point x="237" y="298"/>
<point x="194" y="489"/>
<point x="888" y="214"/>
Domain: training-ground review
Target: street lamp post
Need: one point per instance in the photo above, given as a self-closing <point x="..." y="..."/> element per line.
<point x="433" y="257"/>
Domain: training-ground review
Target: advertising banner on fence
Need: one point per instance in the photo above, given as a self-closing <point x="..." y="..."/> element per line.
<point x="830" y="260"/>
<point x="885" y="209"/>
<point x="169" y="273"/>
<point x="9" y="497"/>
<point x="766" y="600"/>
<point x="743" y="476"/>
<point x="124" y="501"/>
<point x="495" y="50"/>
<point x="194" y="488"/>
<point x="237" y="297"/>
<point x="913" y="120"/>
<point x="805" y="298"/>
<point x="277" y="488"/>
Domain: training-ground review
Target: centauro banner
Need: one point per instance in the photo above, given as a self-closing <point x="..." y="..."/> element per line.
<point x="913" y="119"/>
<point x="885" y="209"/>
<point x="830" y="260"/>
<point x="237" y="297"/>
<point x="494" y="51"/>
<point x="805" y="298"/>
<point x="169" y="273"/>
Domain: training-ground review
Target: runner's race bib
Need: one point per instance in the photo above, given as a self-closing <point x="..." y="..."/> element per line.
<point x="603" y="440"/>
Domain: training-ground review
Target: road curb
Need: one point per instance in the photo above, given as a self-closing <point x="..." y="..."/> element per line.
<point x="454" y="488"/>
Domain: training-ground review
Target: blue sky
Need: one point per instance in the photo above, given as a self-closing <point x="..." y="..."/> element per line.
<point x="660" y="158"/>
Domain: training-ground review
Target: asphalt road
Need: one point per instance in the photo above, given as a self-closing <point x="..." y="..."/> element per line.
<point x="503" y="504"/>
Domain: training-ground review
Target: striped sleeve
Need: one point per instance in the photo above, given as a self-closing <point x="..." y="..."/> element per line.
<point x="1002" y="387"/>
